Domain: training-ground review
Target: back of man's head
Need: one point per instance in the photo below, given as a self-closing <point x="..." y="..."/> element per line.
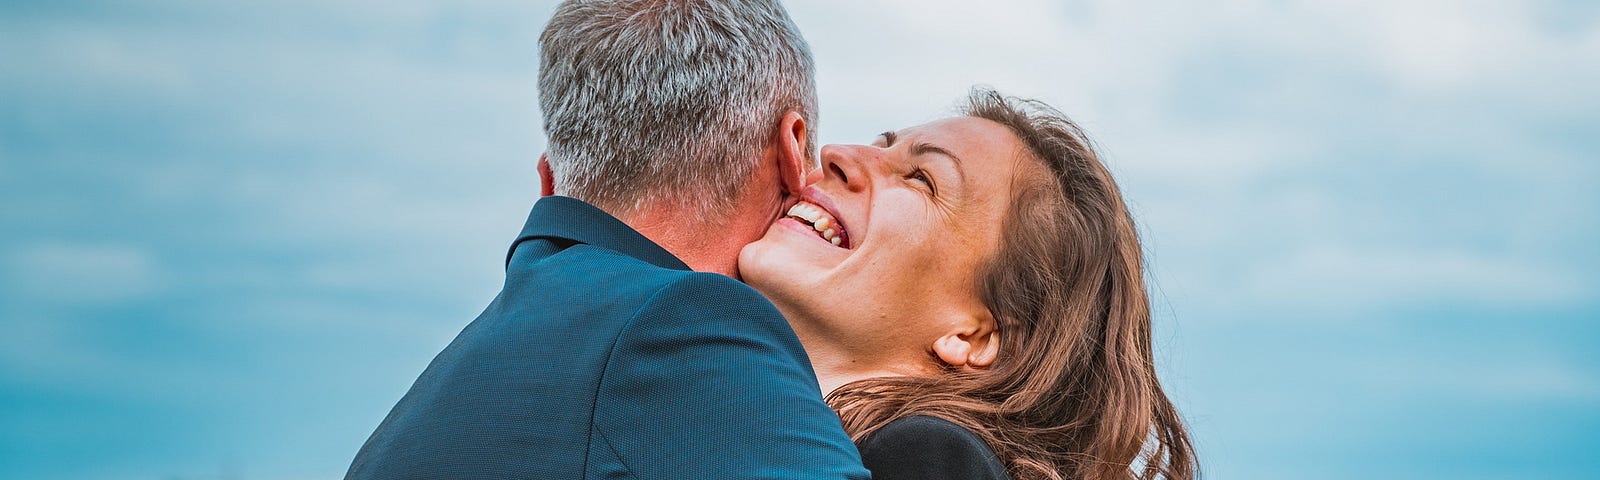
<point x="668" y="102"/>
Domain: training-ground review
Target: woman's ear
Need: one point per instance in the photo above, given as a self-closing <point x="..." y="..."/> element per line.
<point x="986" y="351"/>
<point x="976" y="346"/>
<point x="791" y="142"/>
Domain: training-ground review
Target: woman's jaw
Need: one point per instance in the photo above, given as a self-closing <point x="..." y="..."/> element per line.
<point x="797" y="264"/>
<point x="835" y="348"/>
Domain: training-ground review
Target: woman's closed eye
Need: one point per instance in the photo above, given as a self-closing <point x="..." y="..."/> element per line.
<point x="920" y="175"/>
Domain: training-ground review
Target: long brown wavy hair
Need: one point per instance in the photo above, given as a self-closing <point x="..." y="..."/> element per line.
<point x="1074" y="393"/>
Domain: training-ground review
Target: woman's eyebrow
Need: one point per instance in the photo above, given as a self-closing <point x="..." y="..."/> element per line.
<point x="921" y="148"/>
<point x="888" y="138"/>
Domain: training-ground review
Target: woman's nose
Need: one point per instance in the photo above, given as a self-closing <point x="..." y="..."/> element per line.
<point x="848" y="164"/>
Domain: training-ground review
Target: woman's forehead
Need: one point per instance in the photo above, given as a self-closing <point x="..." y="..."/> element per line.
<point x="986" y="149"/>
<point x="972" y="134"/>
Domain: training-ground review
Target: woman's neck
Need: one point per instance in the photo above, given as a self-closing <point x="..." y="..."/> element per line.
<point x="830" y="378"/>
<point x="839" y="363"/>
<point x="836" y="366"/>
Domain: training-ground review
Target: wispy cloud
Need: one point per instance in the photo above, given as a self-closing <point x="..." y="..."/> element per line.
<point x="84" y="273"/>
<point x="232" y="233"/>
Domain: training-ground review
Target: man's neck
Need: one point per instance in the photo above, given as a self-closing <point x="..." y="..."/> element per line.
<point x="703" y="246"/>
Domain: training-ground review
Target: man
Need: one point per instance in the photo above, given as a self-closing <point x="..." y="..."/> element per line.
<point x="678" y="130"/>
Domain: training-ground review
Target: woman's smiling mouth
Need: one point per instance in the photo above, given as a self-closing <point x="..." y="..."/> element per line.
<point x="822" y="221"/>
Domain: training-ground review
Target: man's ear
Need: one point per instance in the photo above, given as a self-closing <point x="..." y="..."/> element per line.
<point x="792" y="143"/>
<point x="975" y="346"/>
<point x="547" y="180"/>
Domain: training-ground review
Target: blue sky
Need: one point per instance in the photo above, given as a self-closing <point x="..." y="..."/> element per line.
<point x="232" y="234"/>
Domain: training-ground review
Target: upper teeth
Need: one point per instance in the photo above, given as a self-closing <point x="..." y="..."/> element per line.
<point x="819" y="220"/>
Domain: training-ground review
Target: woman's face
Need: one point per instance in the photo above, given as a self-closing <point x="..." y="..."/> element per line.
<point x="881" y="257"/>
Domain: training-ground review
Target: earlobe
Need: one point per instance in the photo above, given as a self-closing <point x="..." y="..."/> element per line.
<point x="547" y="180"/>
<point x="987" y="350"/>
<point x="952" y="350"/>
<point x="975" y="347"/>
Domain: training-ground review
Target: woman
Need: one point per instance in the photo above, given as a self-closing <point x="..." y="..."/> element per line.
<point x="970" y="292"/>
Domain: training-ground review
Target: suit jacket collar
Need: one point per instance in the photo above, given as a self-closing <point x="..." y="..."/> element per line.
<point x="577" y="221"/>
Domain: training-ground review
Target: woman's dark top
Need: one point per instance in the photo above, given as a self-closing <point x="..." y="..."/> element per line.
<point x="920" y="447"/>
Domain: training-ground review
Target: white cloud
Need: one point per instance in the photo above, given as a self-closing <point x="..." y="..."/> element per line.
<point x="84" y="272"/>
<point x="1120" y="65"/>
<point x="382" y="169"/>
<point x="1336" y="277"/>
<point x="1335" y="152"/>
<point x="1497" y="373"/>
<point x="1436" y="47"/>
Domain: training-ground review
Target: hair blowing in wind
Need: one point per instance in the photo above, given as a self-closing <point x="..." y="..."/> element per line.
<point x="1074" y="394"/>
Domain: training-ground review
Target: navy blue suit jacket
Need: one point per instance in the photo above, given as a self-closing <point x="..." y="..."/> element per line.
<point x="604" y="356"/>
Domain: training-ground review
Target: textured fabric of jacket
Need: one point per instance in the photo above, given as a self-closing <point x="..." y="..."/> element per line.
<point x="604" y="356"/>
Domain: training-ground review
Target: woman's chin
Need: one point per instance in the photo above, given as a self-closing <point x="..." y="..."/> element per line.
<point x="750" y="262"/>
<point x="789" y="249"/>
<point x="777" y="267"/>
<point x="761" y="264"/>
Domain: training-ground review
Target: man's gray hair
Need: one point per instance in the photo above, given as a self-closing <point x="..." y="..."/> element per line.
<point x="669" y="102"/>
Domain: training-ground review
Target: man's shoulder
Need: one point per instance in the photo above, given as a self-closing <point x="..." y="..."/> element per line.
<point x="708" y="366"/>
<point x="707" y="289"/>
<point x="590" y="280"/>
<point x="710" y="301"/>
<point x="584" y="271"/>
<point x="583" y="257"/>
